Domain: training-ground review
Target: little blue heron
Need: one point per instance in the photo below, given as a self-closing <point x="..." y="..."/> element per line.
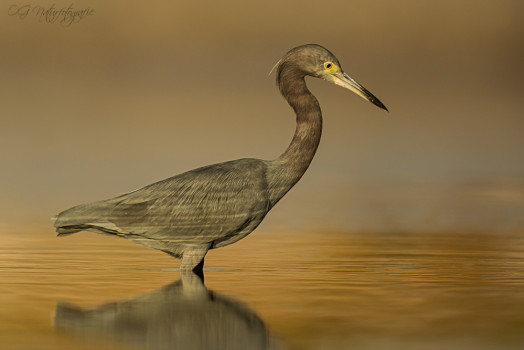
<point x="216" y="205"/>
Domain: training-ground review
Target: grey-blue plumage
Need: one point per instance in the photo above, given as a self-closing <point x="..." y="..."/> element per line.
<point x="213" y="206"/>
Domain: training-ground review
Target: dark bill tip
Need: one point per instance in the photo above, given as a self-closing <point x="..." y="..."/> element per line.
<point x="379" y="104"/>
<point x="371" y="98"/>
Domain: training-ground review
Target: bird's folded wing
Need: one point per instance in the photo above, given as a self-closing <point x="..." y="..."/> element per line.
<point x="205" y="202"/>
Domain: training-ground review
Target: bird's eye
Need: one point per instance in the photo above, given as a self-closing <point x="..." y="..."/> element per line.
<point x="328" y="65"/>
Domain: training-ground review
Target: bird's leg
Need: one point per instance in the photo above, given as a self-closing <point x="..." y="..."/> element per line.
<point x="193" y="260"/>
<point x="193" y="284"/>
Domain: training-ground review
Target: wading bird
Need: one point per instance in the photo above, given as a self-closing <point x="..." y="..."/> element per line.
<point x="216" y="205"/>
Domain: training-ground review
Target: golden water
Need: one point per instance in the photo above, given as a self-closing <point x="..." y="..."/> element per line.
<point x="271" y="291"/>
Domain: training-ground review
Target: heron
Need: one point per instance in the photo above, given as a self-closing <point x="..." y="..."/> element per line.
<point x="216" y="205"/>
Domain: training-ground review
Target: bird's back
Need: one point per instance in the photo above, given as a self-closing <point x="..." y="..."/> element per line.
<point x="215" y="205"/>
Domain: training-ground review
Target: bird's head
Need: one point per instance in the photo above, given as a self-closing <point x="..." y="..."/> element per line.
<point x="317" y="61"/>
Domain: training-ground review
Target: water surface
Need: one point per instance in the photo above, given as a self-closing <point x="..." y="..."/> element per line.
<point x="312" y="291"/>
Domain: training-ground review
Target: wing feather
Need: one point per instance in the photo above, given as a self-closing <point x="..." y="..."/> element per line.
<point x="207" y="203"/>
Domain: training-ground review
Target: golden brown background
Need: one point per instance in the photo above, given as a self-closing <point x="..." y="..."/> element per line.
<point x="143" y="90"/>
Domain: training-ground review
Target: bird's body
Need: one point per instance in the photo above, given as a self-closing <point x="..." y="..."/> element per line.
<point x="216" y="205"/>
<point x="208" y="207"/>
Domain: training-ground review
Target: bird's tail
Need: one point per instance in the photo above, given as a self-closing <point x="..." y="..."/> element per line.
<point x="77" y="219"/>
<point x="63" y="230"/>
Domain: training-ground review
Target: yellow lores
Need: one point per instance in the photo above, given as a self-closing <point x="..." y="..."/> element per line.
<point x="330" y="68"/>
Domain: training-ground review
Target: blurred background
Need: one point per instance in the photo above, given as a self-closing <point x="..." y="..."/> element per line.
<point x="140" y="91"/>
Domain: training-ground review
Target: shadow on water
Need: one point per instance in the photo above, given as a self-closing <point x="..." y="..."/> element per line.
<point x="181" y="315"/>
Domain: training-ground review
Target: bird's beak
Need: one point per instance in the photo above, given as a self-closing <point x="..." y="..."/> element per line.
<point x="344" y="80"/>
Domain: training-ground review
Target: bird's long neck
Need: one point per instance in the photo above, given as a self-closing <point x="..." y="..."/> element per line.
<point x="285" y="171"/>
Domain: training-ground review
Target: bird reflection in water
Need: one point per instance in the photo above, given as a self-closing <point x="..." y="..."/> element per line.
<point x="181" y="315"/>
